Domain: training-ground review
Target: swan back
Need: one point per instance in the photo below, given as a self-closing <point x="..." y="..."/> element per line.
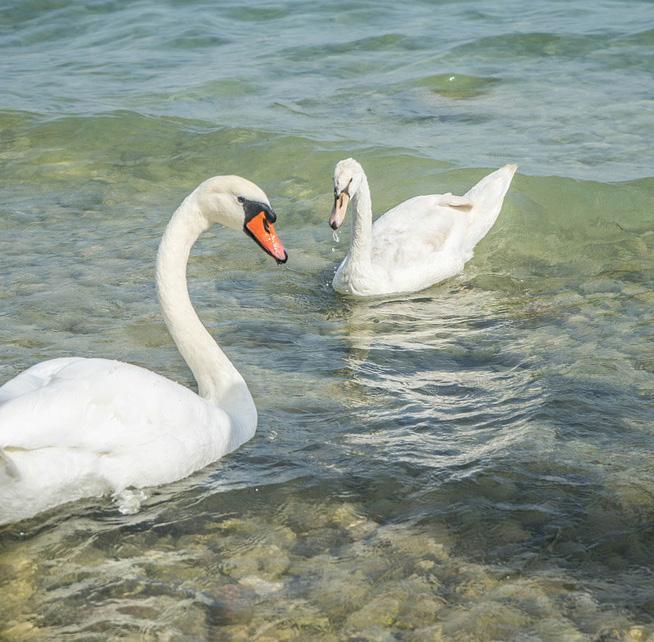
<point x="71" y="428"/>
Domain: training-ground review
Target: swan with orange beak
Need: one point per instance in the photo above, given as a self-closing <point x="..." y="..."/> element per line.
<point x="78" y="427"/>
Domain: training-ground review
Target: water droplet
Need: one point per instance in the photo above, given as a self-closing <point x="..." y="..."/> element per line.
<point x="335" y="236"/>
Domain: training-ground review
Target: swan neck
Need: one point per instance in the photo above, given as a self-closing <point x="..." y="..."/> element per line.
<point x="361" y="244"/>
<point x="217" y="379"/>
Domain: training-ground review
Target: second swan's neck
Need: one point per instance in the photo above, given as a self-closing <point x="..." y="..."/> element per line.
<point x="361" y="243"/>
<point x="218" y="380"/>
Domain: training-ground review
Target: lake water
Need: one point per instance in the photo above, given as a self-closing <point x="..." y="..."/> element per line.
<point x="473" y="462"/>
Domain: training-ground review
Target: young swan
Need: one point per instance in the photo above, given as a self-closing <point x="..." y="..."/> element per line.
<point x="417" y="243"/>
<point x="77" y="427"/>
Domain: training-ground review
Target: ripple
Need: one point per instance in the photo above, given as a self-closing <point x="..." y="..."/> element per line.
<point x="457" y="86"/>
<point x="259" y="14"/>
<point x="534" y="45"/>
<point x="386" y="42"/>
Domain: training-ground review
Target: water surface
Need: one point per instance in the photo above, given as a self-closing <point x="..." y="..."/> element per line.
<point x="472" y="462"/>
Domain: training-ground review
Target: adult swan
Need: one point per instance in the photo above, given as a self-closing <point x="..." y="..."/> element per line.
<point x="416" y="244"/>
<point x="77" y="427"/>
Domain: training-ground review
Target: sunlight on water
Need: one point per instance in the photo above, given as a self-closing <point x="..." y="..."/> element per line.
<point x="471" y="462"/>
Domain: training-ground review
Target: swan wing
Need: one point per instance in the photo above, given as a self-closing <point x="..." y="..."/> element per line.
<point x="435" y="221"/>
<point x="428" y="221"/>
<point x="68" y="419"/>
<point x="419" y="241"/>
<point x="429" y="238"/>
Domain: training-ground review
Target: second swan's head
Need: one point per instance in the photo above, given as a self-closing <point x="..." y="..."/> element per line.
<point x="239" y="204"/>
<point x="347" y="179"/>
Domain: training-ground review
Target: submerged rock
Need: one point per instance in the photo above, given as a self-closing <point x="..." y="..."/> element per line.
<point x="488" y="621"/>
<point x="427" y="634"/>
<point x="379" y="612"/>
<point x="21" y="632"/>
<point x="556" y="629"/>
<point x="526" y="595"/>
<point x="255" y="530"/>
<point x="264" y="561"/>
<point x="261" y="587"/>
<point x="356" y="525"/>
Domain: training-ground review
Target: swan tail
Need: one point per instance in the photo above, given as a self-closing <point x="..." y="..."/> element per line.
<point x="8" y="470"/>
<point x="487" y="197"/>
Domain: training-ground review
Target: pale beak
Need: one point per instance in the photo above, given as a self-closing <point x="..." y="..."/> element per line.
<point x="339" y="209"/>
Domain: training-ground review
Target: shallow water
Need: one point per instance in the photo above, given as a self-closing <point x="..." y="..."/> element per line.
<point x="472" y="462"/>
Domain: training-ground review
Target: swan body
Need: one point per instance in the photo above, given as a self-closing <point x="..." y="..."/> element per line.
<point x="418" y="243"/>
<point x="78" y="427"/>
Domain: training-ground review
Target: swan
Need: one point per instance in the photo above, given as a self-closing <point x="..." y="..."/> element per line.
<point x="79" y="427"/>
<point x="419" y="242"/>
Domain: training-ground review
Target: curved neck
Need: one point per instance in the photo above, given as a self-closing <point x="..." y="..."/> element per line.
<point x="218" y="380"/>
<point x="361" y="243"/>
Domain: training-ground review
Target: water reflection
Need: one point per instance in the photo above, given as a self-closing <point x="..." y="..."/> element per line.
<point x="440" y="378"/>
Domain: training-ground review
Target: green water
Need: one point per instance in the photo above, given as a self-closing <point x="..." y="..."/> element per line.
<point x="473" y="462"/>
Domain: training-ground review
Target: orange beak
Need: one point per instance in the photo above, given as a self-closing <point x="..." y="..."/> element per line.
<point x="263" y="232"/>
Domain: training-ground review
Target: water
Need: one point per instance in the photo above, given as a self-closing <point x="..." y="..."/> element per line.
<point x="472" y="462"/>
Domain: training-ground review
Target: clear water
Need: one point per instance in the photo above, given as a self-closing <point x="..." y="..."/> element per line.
<point x="473" y="462"/>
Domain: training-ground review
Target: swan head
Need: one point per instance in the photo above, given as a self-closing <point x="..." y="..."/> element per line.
<point x="239" y="204"/>
<point x="347" y="180"/>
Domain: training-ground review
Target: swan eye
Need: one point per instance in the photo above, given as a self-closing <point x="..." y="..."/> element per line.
<point x="240" y="199"/>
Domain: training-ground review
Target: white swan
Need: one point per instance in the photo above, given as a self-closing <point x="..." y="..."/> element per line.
<point x="77" y="427"/>
<point x="417" y="243"/>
